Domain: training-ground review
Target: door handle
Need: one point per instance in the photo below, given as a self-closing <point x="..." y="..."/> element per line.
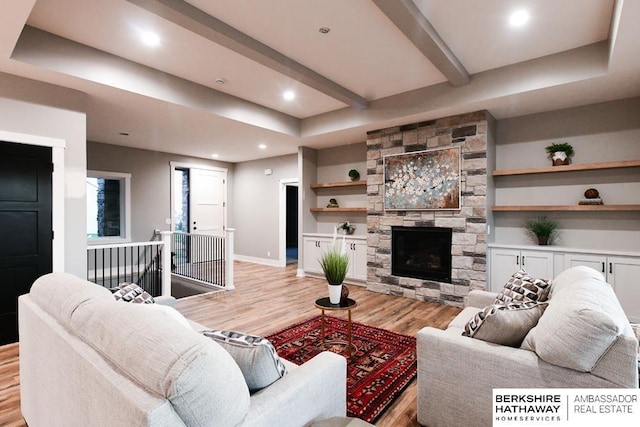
<point x="603" y="267"/>
<point x="523" y="260"/>
<point x="518" y="260"/>
<point x="610" y="268"/>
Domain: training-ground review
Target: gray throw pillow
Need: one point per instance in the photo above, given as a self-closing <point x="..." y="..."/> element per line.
<point x="256" y="357"/>
<point x="505" y="324"/>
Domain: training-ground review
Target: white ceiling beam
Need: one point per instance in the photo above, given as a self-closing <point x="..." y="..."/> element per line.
<point x="195" y="20"/>
<point x="407" y="17"/>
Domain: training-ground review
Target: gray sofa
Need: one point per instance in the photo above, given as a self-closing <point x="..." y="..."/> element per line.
<point x="582" y="340"/>
<point x="88" y="360"/>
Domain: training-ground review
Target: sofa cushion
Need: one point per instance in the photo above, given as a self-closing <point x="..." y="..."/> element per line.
<point x="60" y="294"/>
<point x="256" y="357"/>
<point x="505" y="324"/>
<point x="581" y="323"/>
<point x="130" y="292"/>
<point x="522" y="287"/>
<point x="199" y="378"/>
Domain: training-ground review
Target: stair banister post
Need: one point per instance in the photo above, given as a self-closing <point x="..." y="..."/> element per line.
<point x="166" y="262"/>
<point x="228" y="259"/>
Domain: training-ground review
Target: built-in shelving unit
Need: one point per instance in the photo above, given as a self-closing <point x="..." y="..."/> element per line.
<point x="358" y="186"/>
<point x="339" y="184"/>
<point x="539" y="208"/>
<point x="352" y="209"/>
<point x="567" y="168"/>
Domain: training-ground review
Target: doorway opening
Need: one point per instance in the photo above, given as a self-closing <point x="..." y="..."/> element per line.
<point x="289" y="234"/>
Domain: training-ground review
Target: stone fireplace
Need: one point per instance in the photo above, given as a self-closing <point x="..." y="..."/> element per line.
<point x="466" y="263"/>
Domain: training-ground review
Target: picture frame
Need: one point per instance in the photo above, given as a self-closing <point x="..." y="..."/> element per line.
<point x="423" y="180"/>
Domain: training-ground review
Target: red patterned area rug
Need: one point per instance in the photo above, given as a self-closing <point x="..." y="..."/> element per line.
<point x="383" y="365"/>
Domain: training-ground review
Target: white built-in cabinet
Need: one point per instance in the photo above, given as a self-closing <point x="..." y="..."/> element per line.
<point x="356" y="247"/>
<point x="620" y="270"/>
<point x="505" y="262"/>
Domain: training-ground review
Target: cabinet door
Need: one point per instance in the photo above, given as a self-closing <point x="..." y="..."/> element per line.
<point x="357" y="250"/>
<point x="622" y="274"/>
<point x="597" y="262"/>
<point x="504" y="262"/>
<point x="539" y="265"/>
<point x="313" y="250"/>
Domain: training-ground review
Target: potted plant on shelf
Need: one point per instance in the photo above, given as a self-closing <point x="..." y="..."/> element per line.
<point x="334" y="263"/>
<point x="354" y="175"/>
<point x="560" y="153"/>
<point x="346" y="227"/>
<point x="543" y="228"/>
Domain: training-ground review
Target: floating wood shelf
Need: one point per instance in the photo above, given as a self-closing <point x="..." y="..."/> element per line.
<point x="339" y="184"/>
<point x="353" y="209"/>
<point x="568" y="168"/>
<point x="541" y="208"/>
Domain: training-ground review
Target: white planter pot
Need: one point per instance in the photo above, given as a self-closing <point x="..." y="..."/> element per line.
<point x="335" y="293"/>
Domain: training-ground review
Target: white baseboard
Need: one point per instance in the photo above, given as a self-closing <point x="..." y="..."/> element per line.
<point x="256" y="260"/>
<point x="300" y="273"/>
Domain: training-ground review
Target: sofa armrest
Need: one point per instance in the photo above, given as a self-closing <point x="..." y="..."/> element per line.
<point x="165" y="300"/>
<point x="457" y="375"/>
<point x="312" y="391"/>
<point x="480" y="299"/>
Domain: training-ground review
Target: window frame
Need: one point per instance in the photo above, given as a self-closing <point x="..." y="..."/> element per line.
<point x="125" y="208"/>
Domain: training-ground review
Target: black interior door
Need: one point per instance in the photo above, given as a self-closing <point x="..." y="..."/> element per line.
<point x="25" y="227"/>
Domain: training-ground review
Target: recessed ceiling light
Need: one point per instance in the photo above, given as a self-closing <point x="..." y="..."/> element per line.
<point x="519" y="18"/>
<point x="215" y="155"/>
<point x="221" y="81"/>
<point x="150" y="38"/>
<point x="262" y="146"/>
<point x="324" y="30"/>
<point x="123" y="133"/>
<point x="289" y="95"/>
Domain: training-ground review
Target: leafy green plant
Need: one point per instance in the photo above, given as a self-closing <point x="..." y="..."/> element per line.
<point x="347" y="227"/>
<point x="560" y="146"/>
<point x="542" y="227"/>
<point x="354" y="175"/>
<point x="334" y="263"/>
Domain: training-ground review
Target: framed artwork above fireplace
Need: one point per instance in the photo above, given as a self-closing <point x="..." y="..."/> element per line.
<point x="423" y="180"/>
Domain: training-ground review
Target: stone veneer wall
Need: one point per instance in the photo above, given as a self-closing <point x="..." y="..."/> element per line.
<point x="469" y="224"/>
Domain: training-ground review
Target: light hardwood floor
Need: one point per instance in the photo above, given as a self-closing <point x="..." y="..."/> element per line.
<point x="265" y="300"/>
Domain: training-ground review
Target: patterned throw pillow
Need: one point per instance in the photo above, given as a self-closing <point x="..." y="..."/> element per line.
<point x="130" y="292"/>
<point x="256" y="357"/>
<point x="522" y="287"/>
<point x="505" y="324"/>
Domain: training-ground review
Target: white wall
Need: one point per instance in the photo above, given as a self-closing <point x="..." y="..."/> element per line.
<point x="256" y="207"/>
<point x="150" y="182"/>
<point x="599" y="133"/>
<point x="34" y="108"/>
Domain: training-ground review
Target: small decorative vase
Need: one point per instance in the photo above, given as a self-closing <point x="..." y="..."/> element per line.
<point x="560" y="158"/>
<point x="335" y="293"/>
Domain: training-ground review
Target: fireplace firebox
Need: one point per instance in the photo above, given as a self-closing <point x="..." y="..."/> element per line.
<point x="421" y="253"/>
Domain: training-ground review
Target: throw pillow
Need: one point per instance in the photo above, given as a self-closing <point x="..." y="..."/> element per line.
<point x="505" y="324"/>
<point x="130" y="292"/>
<point x="256" y="357"/>
<point x="522" y="287"/>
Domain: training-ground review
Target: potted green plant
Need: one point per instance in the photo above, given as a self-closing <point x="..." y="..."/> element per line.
<point x="543" y="228"/>
<point x="560" y="153"/>
<point x="346" y="227"/>
<point x="334" y="263"/>
<point x="354" y="175"/>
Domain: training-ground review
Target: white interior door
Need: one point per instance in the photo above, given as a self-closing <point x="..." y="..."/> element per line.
<point x="207" y="200"/>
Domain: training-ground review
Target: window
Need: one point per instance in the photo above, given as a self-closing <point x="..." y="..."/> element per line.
<point x="108" y="207"/>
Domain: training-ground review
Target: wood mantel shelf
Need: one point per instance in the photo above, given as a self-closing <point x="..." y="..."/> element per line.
<point x="569" y="168"/>
<point x="339" y="184"/>
<point x="544" y="208"/>
<point x="352" y="209"/>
